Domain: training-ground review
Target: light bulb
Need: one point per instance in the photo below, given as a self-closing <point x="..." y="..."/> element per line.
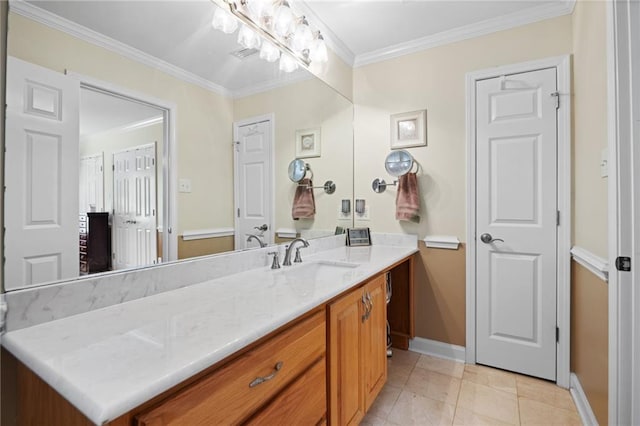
<point x="224" y="21"/>
<point x="287" y="63"/>
<point x="302" y="37"/>
<point x="259" y="8"/>
<point x="248" y="39"/>
<point x="269" y="52"/>
<point x="318" y="50"/>
<point x="283" y="20"/>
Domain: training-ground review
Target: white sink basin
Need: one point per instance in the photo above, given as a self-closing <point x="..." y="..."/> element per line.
<point x="333" y="263"/>
<point x="316" y="269"/>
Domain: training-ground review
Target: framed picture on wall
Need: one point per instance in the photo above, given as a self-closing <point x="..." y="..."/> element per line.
<point x="409" y="129"/>
<point x="308" y="143"/>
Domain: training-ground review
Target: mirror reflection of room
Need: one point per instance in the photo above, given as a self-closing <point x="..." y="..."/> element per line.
<point x="121" y="145"/>
<point x="132" y="93"/>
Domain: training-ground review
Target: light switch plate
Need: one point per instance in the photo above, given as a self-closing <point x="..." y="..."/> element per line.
<point x="184" y="185"/>
<point x="604" y="163"/>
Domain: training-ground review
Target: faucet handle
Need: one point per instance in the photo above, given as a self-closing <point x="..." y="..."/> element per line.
<point x="276" y="261"/>
<point x="298" y="258"/>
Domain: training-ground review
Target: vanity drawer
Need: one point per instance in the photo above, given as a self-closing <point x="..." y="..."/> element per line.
<point x="304" y="402"/>
<point x="227" y="395"/>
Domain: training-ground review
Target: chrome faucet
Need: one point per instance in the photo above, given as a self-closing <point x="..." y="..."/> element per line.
<point x="287" y="254"/>
<point x="257" y="238"/>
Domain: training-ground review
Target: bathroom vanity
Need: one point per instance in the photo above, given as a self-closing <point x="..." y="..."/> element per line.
<point x="304" y="343"/>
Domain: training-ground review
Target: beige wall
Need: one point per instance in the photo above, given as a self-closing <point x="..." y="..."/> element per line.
<point x="434" y="80"/>
<point x="203" y="246"/>
<point x="589" y="126"/>
<point x="326" y="110"/>
<point x="589" y="294"/>
<point x="590" y="338"/>
<point x="440" y="295"/>
<point x="336" y="73"/>
<point x="203" y="118"/>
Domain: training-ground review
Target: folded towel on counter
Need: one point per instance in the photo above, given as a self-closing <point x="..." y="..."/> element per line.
<point x="304" y="203"/>
<point x="408" y="198"/>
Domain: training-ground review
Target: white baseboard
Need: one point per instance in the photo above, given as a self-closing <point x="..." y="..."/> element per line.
<point x="437" y="349"/>
<point x="582" y="403"/>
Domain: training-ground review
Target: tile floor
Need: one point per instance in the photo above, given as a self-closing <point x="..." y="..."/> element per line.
<point x="424" y="390"/>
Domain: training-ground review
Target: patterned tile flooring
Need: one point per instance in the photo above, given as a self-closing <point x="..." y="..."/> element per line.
<point x="424" y="390"/>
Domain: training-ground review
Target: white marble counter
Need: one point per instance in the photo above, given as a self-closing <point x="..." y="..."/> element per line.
<point x="110" y="360"/>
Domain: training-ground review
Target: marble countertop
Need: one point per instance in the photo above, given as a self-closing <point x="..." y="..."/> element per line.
<point x="108" y="361"/>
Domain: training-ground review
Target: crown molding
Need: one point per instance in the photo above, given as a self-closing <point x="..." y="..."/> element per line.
<point x="270" y="85"/>
<point x="56" y="22"/>
<point x="332" y="40"/>
<point x="512" y="20"/>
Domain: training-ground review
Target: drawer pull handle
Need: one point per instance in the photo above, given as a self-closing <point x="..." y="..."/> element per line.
<point x="259" y="380"/>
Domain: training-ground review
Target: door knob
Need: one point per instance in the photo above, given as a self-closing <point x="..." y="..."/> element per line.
<point x="488" y="239"/>
<point x="262" y="228"/>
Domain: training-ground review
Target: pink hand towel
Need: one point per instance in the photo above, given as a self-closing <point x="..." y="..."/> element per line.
<point x="304" y="204"/>
<point x="408" y="198"/>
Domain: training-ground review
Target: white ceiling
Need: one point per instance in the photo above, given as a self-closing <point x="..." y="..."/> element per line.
<point x="179" y="33"/>
<point x="100" y="113"/>
<point x="176" y="32"/>
<point x="365" y="26"/>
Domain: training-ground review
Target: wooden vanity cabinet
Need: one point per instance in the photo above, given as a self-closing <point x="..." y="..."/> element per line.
<point x="357" y="351"/>
<point x="288" y="362"/>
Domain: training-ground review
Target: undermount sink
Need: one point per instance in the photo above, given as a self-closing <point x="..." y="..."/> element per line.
<point x="333" y="263"/>
<point x="316" y="269"/>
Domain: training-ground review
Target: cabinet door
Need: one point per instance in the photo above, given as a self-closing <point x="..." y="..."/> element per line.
<point x="374" y="337"/>
<point x="345" y="360"/>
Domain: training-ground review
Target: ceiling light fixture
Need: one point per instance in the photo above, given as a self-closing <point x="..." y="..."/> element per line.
<point x="279" y="26"/>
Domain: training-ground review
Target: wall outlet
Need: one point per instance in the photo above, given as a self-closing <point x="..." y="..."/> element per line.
<point x="604" y="163"/>
<point x="184" y="185"/>
<point x="365" y="215"/>
<point x="343" y="216"/>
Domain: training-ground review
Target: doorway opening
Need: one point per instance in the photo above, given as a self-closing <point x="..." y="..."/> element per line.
<point x="127" y="146"/>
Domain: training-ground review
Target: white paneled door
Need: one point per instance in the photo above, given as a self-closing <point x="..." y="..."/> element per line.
<point x="516" y="226"/>
<point x="134" y="207"/>
<point x="41" y="175"/>
<point x="92" y="184"/>
<point x="254" y="182"/>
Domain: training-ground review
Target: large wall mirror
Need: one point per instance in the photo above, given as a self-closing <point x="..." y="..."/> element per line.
<point x="137" y="135"/>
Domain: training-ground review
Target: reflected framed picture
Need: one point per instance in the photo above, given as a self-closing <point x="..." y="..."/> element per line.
<point x="409" y="129"/>
<point x="308" y="143"/>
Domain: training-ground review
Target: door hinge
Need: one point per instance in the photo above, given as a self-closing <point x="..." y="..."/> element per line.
<point x="238" y="212"/>
<point x="557" y="217"/>
<point x="557" y="334"/>
<point x="623" y="263"/>
<point x="113" y="167"/>
<point x="556" y="96"/>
